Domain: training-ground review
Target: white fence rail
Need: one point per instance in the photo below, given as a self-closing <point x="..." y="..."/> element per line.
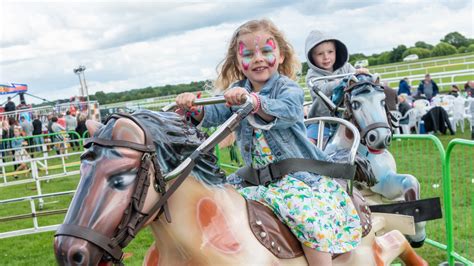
<point x="437" y="77"/>
<point x="34" y="176"/>
<point x="424" y="64"/>
<point x="469" y="66"/>
<point x="34" y="214"/>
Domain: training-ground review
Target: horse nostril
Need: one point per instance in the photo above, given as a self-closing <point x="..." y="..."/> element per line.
<point x="388" y="140"/>
<point x="78" y="257"/>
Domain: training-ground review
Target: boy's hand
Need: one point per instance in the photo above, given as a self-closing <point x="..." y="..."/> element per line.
<point x="362" y="71"/>
<point x="235" y="96"/>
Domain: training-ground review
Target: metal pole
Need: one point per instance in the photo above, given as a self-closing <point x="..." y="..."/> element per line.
<point x="80" y="82"/>
<point x="87" y="94"/>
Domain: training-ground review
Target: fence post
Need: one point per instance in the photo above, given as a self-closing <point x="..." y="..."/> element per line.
<point x="45" y="156"/>
<point x="447" y="205"/>
<point x="33" y="213"/>
<point x="34" y="173"/>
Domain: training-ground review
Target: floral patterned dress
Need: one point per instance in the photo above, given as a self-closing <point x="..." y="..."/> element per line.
<point x="321" y="216"/>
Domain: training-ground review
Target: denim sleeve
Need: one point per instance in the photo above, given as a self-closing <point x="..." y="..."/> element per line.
<point x="287" y="108"/>
<point x="215" y="115"/>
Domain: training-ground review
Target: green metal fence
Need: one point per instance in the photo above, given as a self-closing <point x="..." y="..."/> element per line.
<point x="423" y="156"/>
<point x="459" y="196"/>
<point x="448" y="174"/>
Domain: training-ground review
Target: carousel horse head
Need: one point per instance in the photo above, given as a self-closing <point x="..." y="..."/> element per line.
<point x="121" y="180"/>
<point x="364" y="100"/>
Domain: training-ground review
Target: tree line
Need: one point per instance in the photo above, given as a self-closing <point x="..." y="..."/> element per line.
<point x="452" y="43"/>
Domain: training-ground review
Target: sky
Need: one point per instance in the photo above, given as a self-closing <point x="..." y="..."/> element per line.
<point x="127" y="45"/>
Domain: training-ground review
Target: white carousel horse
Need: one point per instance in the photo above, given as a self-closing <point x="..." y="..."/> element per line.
<point x="364" y="102"/>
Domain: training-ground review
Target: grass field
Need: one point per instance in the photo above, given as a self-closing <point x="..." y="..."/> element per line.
<point x="417" y="158"/>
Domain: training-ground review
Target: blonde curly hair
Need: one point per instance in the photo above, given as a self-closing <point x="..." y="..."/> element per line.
<point x="228" y="71"/>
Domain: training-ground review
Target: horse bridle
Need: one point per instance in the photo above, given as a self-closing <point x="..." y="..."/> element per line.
<point x="349" y="113"/>
<point x="134" y="218"/>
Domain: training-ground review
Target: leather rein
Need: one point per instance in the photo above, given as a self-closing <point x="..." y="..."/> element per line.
<point x="349" y="113"/>
<point x="134" y="218"/>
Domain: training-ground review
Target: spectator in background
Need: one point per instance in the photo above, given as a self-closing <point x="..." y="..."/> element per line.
<point x="37" y="130"/>
<point x="81" y="125"/>
<point x="469" y="88"/>
<point x="404" y="87"/>
<point x="454" y="90"/>
<point x="27" y="128"/>
<point x="71" y="124"/>
<point x="19" y="152"/>
<point x="58" y="138"/>
<point x="12" y="123"/>
<point x="61" y="120"/>
<point x="10" y="105"/>
<point x="391" y="99"/>
<point x="403" y="107"/>
<point x="50" y="123"/>
<point x="428" y="87"/>
<point x="5" y="135"/>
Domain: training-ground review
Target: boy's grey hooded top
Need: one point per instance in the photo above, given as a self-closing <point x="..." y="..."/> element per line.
<point x="341" y="66"/>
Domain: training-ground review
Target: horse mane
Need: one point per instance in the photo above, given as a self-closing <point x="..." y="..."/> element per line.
<point x="175" y="139"/>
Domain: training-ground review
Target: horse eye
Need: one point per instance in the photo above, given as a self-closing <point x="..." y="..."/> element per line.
<point x="88" y="156"/>
<point x="355" y="105"/>
<point x="121" y="181"/>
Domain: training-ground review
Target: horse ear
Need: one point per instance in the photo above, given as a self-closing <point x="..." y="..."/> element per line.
<point x="93" y="126"/>
<point x="376" y="78"/>
<point x="353" y="79"/>
<point x="126" y="129"/>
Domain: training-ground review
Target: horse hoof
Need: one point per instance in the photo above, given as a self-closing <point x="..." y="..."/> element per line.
<point x="417" y="244"/>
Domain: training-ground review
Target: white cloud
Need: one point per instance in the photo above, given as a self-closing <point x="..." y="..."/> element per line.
<point x="127" y="45"/>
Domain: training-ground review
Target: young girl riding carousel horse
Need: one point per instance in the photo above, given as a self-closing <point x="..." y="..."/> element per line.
<point x="261" y="64"/>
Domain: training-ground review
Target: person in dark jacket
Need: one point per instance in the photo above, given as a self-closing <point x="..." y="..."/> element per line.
<point x="428" y="87"/>
<point x="403" y="107"/>
<point x="10" y="105"/>
<point x="404" y="87"/>
<point x="437" y="120"/>
<point x="81" y="126"/>
<point x="37" y="130"/>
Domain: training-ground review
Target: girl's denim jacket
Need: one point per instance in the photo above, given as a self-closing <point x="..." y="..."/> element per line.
<point x="282" y="98"/>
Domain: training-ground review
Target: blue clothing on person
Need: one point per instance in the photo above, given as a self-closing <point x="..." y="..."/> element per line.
<point x="17" y="143"/>
<point x="282" y="98"/>
<point x="312" y="131"/>
<point x="404" y="87"/>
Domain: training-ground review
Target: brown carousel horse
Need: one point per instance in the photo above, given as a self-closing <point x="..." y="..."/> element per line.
<point x="124" y="188"/>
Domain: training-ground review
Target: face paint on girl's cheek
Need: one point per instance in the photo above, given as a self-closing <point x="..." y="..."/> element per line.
<point x="246" y="56"/>
<point x="246" y="63"/>
<point x="269" y="52"/>
<point x="241" y="48"/>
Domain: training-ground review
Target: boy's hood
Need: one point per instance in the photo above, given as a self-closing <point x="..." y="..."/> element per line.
<point x="314" y="38"/>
